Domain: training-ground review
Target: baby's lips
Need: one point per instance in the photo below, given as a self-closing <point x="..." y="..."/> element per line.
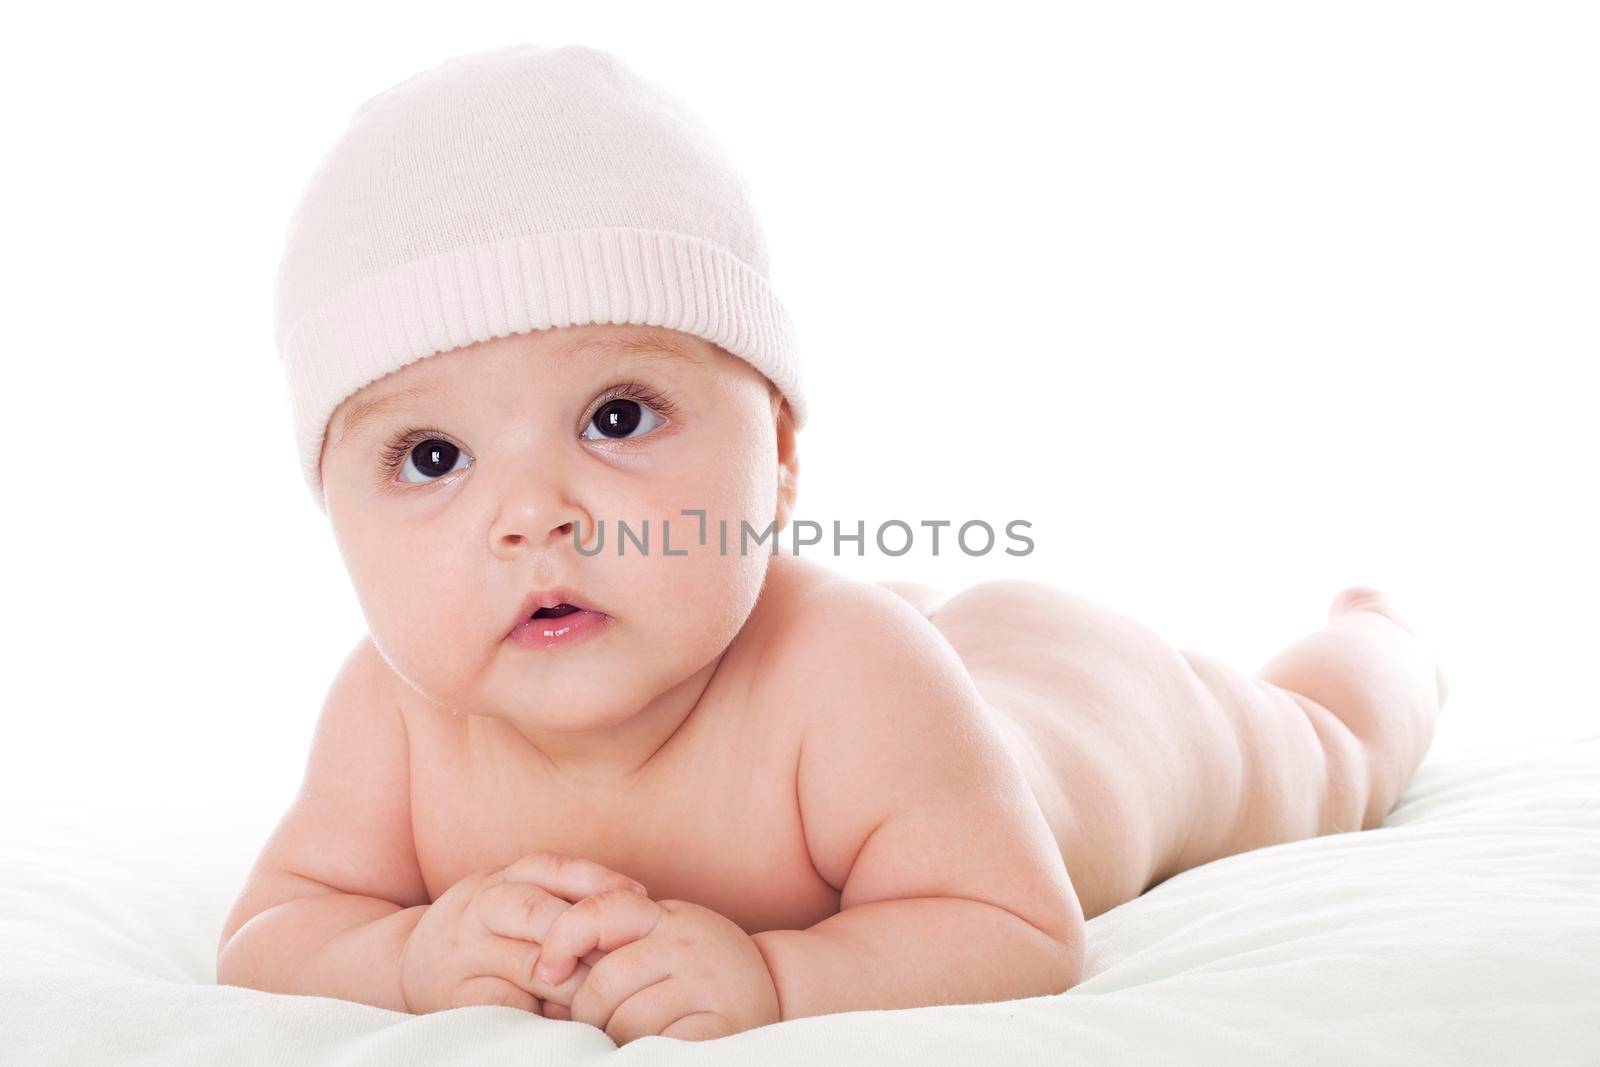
<point x="549" y="598"/>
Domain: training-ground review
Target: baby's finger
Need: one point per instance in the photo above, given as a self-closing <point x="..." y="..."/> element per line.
<point x="487" y="989"/>
<point x="567" y="991"/>
<point x="518" y="909"/>
<point x="569" y="877"/>
<point x="513" y="960"/>
<point x="606" y="920"/>
<point x="559" y="1004"/>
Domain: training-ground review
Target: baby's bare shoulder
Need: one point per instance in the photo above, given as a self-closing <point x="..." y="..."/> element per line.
<point x="895" y="744"/>
<point x="834" y="644"/>
<point x="818" y="624"/>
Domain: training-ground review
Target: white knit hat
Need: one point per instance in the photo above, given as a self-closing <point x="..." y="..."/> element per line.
<point x="514" y="189"/>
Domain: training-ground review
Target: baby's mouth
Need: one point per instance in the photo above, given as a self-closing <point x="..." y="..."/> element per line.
<point x="559" y="610"/>
<point x="558" y="625"/>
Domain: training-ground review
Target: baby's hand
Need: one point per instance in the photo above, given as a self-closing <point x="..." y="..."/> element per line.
<point x="478" y="943"/>
<point x="671" y="968"/>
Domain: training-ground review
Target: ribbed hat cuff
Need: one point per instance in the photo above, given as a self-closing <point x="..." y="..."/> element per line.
<point x="461" y="297"/>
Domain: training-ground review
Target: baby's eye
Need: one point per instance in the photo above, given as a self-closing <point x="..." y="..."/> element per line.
<point x="619" y="418"/>
<point x="433" y="459"/>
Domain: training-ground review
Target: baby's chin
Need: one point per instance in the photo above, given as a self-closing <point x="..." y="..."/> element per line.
<point x="576" y="689"/>
<point x="557" y="718"/>
<point x="598" y="707"/>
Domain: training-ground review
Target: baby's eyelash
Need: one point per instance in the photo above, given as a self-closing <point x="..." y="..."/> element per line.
<point x="395" y="452"/>
<point x="637" y="391"/>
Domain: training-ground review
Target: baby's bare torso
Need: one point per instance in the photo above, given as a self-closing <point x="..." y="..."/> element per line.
<point x="714" y="817"/>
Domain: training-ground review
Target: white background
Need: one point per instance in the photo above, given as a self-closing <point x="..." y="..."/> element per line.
<point x="1236" y="303"/>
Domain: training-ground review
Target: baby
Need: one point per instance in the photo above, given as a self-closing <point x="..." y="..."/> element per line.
<point x="693" y="786"/>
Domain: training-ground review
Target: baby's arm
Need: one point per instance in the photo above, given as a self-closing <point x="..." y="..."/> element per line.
<point x="336" y="904"/>
<point x="337" y="890"/>
<point x="952" y="888"/>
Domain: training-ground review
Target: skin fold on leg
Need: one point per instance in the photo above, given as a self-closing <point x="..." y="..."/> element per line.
<point x="1148" y="760"/>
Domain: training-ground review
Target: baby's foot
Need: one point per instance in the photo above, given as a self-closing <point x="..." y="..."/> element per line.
<point x="1366" y="598"/>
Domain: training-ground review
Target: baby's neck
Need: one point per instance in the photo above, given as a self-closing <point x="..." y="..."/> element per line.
<point x="618" y="756"/>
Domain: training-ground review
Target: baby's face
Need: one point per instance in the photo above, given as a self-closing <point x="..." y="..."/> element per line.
<point x="454" y="504"/>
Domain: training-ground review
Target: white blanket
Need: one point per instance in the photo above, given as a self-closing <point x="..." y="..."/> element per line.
<point x="1466" y="930"/>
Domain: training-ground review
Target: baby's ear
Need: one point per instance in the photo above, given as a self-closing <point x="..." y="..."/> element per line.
<point x="788" y="463"/>
<point x="322" y="469"/>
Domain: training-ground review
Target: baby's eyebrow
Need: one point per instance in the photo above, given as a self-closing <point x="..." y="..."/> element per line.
<point x="369" y="410"/>
<point x="667" y="347"/>
<point x="639" y="346"/>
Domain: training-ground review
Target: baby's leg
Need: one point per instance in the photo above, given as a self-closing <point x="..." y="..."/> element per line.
<point x="1371" y="692"/>
<point x="1148" y="760"/>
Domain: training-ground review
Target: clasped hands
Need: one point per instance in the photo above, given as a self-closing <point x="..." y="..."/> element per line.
<point x="568" y="938"/>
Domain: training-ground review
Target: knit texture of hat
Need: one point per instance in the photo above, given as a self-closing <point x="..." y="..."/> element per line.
<point x="515" y="189"/>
